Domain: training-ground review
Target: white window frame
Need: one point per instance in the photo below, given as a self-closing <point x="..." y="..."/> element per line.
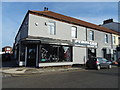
<point x="114" y="39"/>
<point x="74" y="32"/>
<point x="106" y="38"/>
<point x="52" y="25"/>
<point x="91" y="33"/>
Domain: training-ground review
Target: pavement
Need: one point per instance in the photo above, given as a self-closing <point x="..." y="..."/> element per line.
<point x="10" y="68"/>
<point x="21" y="71"/>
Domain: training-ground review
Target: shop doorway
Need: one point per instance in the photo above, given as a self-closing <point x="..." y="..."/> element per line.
<point x="91" y="53"/>
<point x="31" y="56"/>
<point x="106" y="53"/>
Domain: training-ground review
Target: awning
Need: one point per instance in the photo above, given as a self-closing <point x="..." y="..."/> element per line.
<point x="43" y="40"/>
<point x="30" y="41"/>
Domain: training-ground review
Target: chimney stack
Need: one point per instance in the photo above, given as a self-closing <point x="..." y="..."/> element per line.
<point x="45" y="9"/>
<point x="107" y="21"/>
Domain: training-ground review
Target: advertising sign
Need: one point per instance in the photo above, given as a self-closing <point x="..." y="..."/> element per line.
<point x="86" y="44"/>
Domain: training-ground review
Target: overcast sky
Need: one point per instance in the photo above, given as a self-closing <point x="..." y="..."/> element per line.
<point x="14" y="12"/>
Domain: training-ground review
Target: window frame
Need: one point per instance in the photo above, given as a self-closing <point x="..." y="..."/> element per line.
<point x="75" y="35"/>
<point x="50" y="26"/>
<point x="106" y="38"/>
<point x="55" y="53"/>
<point x="91" y="35"/>
<point x="114" y="39"/>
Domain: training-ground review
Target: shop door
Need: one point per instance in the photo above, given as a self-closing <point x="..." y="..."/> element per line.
<point x="91" y="53"/>
<point x="104" y="53"/>
<point x="31" y="55"/>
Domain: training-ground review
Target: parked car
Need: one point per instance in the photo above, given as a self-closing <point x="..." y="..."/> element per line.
<point x="118" y="61"/>
<point x="98" y="63"/>
<point x="114" y="62"/>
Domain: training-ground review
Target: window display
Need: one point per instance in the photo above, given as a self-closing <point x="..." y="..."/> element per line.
<point x="55" y="53"/>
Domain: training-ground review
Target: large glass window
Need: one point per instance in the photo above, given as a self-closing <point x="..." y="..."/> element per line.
<point x="106" y="38"/>
<point x="91" y="35"/>
<point x="74" y="32"/>
<point x="51" y="28"/>
<point x="55" y="53"/>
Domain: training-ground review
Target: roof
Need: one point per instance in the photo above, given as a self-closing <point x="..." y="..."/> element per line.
<point x="112" y="25"/>
<point x="7" y="47"/>
<point x="71" y="20"/>
<point x="112" y="22"/>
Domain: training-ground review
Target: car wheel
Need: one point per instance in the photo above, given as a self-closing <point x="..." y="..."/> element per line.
<point x="87" y="67"/>
<point x="109" y="66"/>
<point x="98" y="67"/>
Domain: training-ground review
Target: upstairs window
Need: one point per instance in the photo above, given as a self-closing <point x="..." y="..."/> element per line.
<point x="74" y="32"/>
<point x="51" y="28"/>
<point x="92" y="35"/>
<point x="106" y="38"/>
<point x="114" y="39"/>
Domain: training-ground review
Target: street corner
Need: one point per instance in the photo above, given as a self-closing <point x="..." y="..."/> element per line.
<point x="5" y="75"/>
<point x="14" y="70"/>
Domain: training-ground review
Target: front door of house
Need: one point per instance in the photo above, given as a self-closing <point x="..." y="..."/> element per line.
<point x="31" y="55"/>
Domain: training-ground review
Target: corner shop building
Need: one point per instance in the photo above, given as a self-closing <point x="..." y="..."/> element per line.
<point x="46" y="38"/>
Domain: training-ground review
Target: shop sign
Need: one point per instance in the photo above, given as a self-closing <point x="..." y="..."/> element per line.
<point x="85" y="43"/>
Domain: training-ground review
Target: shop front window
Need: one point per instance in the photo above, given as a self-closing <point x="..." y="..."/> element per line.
<point x="67" y="53"/>
<point x="54" y="53"/>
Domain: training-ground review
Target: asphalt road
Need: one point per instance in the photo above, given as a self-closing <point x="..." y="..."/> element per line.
<point x="104" y="78"/>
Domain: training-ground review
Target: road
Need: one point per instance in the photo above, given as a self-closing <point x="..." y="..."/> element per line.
<point x="104" y="78"/>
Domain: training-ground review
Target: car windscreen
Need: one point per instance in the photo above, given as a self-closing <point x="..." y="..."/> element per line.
<point x="104" y="59"/>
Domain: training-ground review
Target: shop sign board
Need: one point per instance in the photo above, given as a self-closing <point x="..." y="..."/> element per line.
<point x="86" y="44"/>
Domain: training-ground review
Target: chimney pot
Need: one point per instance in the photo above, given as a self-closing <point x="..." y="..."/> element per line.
<point x="107" y="21"/>
<point x="45" y="9"/>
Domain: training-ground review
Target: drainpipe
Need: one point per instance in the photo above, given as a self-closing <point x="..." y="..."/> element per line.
<point x="86" y="46"/>
<point x="37" y="54"/>
<point x="111" y="46"/>
<point x="25" y="56"/>
<point x="19" y="52"/>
